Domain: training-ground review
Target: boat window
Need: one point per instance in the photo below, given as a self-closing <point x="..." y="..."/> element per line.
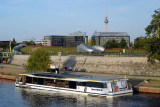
<point x="95" y="84"/>
<point x="105" y="85"/>
<point x="81" y="83"/>
<point x="28" y="79"/>
<point x="35" y="80"/>
<point x="72" y="84"/>
<point x="40" y="81"/>
<point x="50" y="82"/>
<point x="62" y="83"/>
<point x="124" y="84"/>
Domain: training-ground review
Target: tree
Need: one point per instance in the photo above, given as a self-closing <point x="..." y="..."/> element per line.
<point x="38" y="61"/>
<point x="91" y="42"/>
<point x="139" y="43"/>
<point x="112" y="44"/>
<point x="152" y="41"/>
<point x="29" y="42"/>
<point x="123" y="43"/>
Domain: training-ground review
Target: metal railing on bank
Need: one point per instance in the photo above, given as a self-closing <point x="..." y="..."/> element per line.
<point x="119" y="54"/>
<point x="105" y="54"/>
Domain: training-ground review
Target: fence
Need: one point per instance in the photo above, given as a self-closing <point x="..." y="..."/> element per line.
<point x="120" y="54"/>
<point x="105" y="54"/>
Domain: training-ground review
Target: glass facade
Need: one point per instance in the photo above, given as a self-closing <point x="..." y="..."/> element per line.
<point x="68" y="41"/>
<point x="100" y="38"/>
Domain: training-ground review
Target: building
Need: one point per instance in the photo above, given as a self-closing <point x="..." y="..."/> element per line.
<point x="100" y="38"/>
<point x="8" y="42"/>
<point x="43" y="42"/>
<point x="71" y="40"/>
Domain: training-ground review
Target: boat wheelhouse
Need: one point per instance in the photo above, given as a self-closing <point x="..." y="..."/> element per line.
<point x="90" y="85"/>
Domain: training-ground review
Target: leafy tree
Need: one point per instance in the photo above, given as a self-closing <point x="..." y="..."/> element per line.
<point x="139" y="43"/>
<point x="152" y="41"/>
<point x="91" y="42"/>
<point x="153" y="48"/>
<point x="112" y="44"/>
<point x="123" y="43"/>
<point x="38" y="61"/>
<point x="29" y="42"/>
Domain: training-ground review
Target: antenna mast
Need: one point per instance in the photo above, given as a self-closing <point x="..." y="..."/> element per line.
<point x="106" y="20"/>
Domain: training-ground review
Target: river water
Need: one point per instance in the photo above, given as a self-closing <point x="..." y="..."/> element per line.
<point x="11" y="96"/>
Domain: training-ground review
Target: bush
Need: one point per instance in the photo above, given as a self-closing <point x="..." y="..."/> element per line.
<point x="38" y="61"/>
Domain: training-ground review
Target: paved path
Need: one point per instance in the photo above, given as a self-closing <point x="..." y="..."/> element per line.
<point x="11" y="66"/>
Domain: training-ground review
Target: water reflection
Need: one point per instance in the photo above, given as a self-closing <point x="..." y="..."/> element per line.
<point x="150" y="95"/>
<point x="48" y="98"/>
<point x="5" y="80"/>
<point x="43" y="98"/>
<point x="21" y="97"/>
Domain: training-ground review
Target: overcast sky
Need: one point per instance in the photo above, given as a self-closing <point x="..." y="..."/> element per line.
<point x="28" y="19"/>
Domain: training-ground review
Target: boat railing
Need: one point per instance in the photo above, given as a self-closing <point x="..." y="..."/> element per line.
<point x="121" y="89"/>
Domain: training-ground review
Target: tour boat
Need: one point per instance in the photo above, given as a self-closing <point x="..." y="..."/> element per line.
<point x="90" y="85"/>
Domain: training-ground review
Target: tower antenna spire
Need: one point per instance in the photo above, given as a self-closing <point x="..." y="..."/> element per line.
<point x="106" y="20"/>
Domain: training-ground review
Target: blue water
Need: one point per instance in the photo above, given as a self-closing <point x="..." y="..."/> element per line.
<point x="10" y="96"/>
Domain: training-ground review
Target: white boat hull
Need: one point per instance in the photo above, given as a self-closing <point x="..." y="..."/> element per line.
<point x="53" y="88"/>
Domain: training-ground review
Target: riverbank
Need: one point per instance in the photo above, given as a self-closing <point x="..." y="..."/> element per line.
<point x="151" y="86"/>
<point x="100" y="64"/>
<point x="9" y="77"/>
<point x="11" y="71"/>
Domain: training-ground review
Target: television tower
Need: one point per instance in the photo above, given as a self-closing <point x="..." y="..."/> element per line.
<point x="106" y="20"/>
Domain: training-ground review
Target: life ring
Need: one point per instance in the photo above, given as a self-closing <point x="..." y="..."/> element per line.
<point x="130" y="86"/>
<point x="115" y="88"/>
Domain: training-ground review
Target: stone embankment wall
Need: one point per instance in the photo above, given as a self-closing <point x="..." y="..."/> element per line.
<point x="117" y="65"/>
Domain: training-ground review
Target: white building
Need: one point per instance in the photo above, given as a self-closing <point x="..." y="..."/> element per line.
<point x="43" y="42"/>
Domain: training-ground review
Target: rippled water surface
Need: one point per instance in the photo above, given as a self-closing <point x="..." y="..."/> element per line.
<point x="10" y="96"/>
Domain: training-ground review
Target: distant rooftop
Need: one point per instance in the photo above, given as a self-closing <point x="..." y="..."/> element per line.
<point x="79" y="33"/>
<point x="110" y="34"/>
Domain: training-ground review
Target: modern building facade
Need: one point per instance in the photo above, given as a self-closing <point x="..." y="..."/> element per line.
<point x="43" y="42"/>
<point x="71" y="40"/>
<point x="100" y="38"/>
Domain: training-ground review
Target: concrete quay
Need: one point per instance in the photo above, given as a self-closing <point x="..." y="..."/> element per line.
<point x="100" y="64"/>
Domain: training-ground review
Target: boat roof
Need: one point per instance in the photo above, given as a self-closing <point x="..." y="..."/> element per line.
<point x="71" y="77"/>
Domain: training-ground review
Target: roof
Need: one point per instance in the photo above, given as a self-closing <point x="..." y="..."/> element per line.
<point x="71" y="77"/>
<point x="110" y="34"/>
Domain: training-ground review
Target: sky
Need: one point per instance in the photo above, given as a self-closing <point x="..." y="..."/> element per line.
<point x="33" y="19"/>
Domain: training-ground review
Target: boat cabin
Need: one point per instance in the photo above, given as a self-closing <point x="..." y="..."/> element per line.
<point x="86" y="84"/>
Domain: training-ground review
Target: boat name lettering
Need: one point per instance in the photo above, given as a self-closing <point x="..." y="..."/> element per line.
<point x="96" y="89"/>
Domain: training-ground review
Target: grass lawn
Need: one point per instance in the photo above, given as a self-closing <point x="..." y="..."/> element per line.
<point x="151" y="83"/>
<point x="73" y="50"/>
<point x="51" y="50"/>
<point x="26" y="49"/>
<point x="127" y="51"/>
<point x="140" y="82"/>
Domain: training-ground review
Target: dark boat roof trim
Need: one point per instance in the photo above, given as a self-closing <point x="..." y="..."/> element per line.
<point x="71" y="77"/>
